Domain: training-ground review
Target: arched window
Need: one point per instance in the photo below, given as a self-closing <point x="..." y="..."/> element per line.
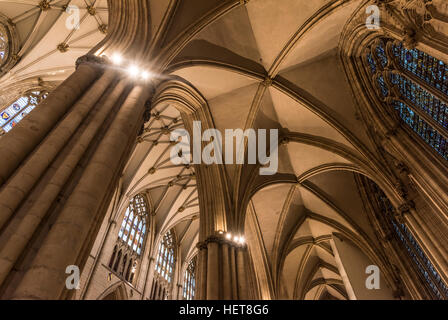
<point x="406" y="240"/>
<point x="414" y="85"/>
<point x="189" y="287"/>
<point x="131" y="239"/>
<point x="165" y="257"/>
<point x="15" y="112"/>
<point x="133" y="227"/>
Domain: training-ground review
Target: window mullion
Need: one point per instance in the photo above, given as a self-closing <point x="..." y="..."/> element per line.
<point x="420" y="260"/>
<point x="438" y="283"/>
<point x="412" y="77"/>
<point x="402" y="98"/>
<point x="422" y="114"/>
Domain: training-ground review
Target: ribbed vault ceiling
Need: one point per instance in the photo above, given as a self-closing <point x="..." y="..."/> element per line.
<point x="258" y="64"/>
<point x="41" y="31"/>
<point x="263" y="65"/>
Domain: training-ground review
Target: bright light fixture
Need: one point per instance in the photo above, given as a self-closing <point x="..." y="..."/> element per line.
<point x="117" y="59"/>
<point x="133" y="71"/>
<point x="229" y="236"/>
<point x="242" y="240"/>
<point x="145" y="75"/>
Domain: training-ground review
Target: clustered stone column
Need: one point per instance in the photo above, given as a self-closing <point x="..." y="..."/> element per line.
<point x="71" y="152"/>
<point x="223" y="270"/>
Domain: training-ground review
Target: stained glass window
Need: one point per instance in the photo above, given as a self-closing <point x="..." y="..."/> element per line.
<point x="418" y="96"/>
<point x="371" y="62"/>
<point x="189" y="287"/>
<point x="418" y="88"/>
<point x="15" y="112"/>
<point x="405" y="237"/>
<point x="4" y="44"/>
<point x="383" y="86"/>
<point x="133" y="227"/>
<point x="381" y="54"/>
<point x="165" y="257"/>
<point x="429" y="69"/>
<point x="127" y="252"/>
<point x="422" y="128"/>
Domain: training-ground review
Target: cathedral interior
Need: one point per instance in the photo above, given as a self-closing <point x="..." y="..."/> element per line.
<point x="93" y="207"/>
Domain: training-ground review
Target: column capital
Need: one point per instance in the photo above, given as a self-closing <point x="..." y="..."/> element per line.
<point x="220" y="240"/>
<point x="201" y="246"/>
<point x="91" y="59"/>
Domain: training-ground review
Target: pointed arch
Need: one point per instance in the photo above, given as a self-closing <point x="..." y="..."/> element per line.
<point x="116" y="291"/>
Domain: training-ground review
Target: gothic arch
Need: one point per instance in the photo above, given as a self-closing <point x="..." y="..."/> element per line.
<point x="116" y="291"/>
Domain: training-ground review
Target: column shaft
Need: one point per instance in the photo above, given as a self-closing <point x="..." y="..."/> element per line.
<point x="226" y="274"/>
<point x="213" y="281"/>
<point x="242" y="274"/>
<point x="19" y="185"/>
<point x="202" y="276"/>
<point x="45" y="278"/>
<point x="23" y="225"/>
<point x="18" y="144"/>
<point x="227" y="279"/>
<point x="233" y="273"/>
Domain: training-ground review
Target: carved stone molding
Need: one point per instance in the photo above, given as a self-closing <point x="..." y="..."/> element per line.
<point x="403" y="210"/>
<point x="220" y="239"/>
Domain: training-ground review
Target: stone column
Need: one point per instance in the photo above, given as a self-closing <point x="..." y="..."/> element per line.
<point x="213" y="265"/>
<point x="17" y="145"/>
<point x="226" y="270"/>
<point x="233" y="273"/>
<point x="25" y="222"/>
<point x="19" y="185"/>
<point x="227" y="279"/>
<point x="68" y="240"/>
<point x="201" y="292"/>
<point x="243" y="273"/>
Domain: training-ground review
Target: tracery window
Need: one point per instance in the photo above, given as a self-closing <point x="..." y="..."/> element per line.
<point x="406" y="239"/>
<point x="133" y="227"/>
<point x="415" y="85"/>
<point x="165" y="257"/>
<point x="18" y="110"/>
<point x="131" y="239"/>
<point x="189" y="287"/>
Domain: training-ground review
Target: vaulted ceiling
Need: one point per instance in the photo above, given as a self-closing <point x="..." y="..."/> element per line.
<point x="262" y="65"/>
<point x="258" y="64"/>
<point x="290" y="227"/>
<point x="49" y="37"/>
